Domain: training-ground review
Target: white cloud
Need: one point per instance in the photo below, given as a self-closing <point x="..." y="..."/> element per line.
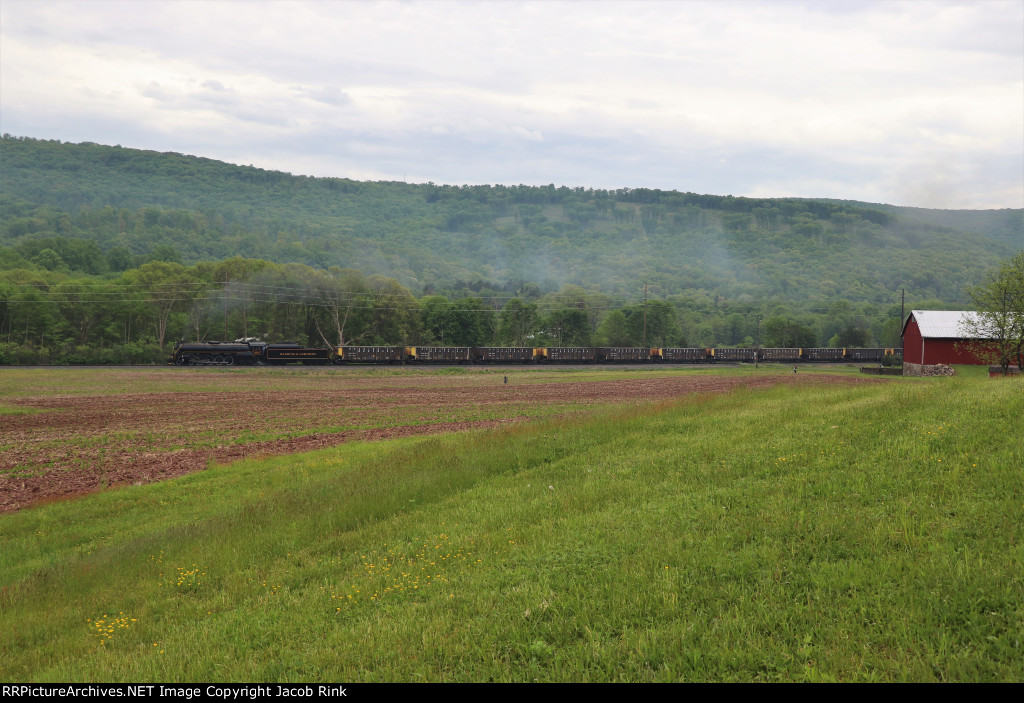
<point x="861" y="97"/>
<point x="330" y="94"/>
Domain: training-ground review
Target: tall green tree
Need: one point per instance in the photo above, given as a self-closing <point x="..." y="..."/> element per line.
<point x="656" y="324"/>
<point x="779" y="331"/>
<point x="394" y="312"/>
<point x="474" y="322"/>
<point x="517" y="322"/>
<point x="569" y="327"/>
<point x="614" y="331"/>
<point x="851" y="336"/>
<point x="344" y="306"/>
<point x="168" y="288"/>
<point x="437" y="316"/>
<point x="82" y="305"/>
<point x="998" y="328"/>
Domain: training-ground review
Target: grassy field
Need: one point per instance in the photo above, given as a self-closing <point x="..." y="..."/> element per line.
<point x="59" y="381"/>
<point x="65" y="432"/>
<point x="835" y="532"/>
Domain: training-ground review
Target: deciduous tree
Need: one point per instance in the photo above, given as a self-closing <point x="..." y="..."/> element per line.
<point x="998" y="327"/>
<point x="517" y="322"/>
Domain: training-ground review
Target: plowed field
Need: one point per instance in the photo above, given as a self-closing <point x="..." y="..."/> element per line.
<point x="68" y="432"/>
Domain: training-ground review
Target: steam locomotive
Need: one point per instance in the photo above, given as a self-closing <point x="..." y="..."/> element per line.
<point x="249" y="353"/>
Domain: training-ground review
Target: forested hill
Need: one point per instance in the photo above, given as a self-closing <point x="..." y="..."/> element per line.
<point x="101" y="209"/>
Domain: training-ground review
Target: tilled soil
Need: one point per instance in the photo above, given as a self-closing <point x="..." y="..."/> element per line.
<point x="83" y="444"/>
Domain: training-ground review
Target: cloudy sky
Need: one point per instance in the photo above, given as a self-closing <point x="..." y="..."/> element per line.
<point x="911" y="103"/>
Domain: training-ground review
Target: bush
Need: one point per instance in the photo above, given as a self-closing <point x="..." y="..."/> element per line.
<point x="8" y="351"/>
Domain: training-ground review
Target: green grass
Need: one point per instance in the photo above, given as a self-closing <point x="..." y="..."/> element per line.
<point x="6" y="409"/>
<point x="868" y="532"/>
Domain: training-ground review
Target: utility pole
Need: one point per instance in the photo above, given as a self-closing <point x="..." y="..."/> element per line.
<point x="645" y="313"/>
<point x="225" y="307"/>
<point x="757" y="343"/>
<point x="903" y="293"/>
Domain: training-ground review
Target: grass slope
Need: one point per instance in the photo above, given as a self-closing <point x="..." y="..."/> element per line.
<point x="798" y="533"/>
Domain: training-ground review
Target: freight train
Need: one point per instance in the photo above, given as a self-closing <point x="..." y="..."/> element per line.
<point x="250" y="353"/>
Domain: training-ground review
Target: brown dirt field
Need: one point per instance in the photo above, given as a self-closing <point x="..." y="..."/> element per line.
<point x="86" y="443"/>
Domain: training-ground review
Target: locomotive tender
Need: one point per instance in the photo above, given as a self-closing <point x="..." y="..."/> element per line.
<point x="251" y="353"/>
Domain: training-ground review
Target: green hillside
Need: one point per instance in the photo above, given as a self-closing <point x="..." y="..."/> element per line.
<point x="108" y="254"/>
<point x="432" y="238"/>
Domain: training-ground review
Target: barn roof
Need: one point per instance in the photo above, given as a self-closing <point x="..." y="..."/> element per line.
<point x="942" y="324"/>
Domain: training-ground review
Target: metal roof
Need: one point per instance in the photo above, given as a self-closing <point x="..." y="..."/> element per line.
<point x="943" y="324"/>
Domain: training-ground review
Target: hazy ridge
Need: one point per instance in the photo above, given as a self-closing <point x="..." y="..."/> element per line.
<point x="445" y="238"/>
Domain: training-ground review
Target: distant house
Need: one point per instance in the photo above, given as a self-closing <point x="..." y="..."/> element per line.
<point x="936" y="337"/>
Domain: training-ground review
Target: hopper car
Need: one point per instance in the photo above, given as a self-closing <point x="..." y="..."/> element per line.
<point x="503" y="355"/>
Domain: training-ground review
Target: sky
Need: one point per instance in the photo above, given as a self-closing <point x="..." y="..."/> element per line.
<point x="910" y="103"/>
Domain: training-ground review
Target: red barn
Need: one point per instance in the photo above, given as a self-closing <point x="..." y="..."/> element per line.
<point x="936" y="337"/>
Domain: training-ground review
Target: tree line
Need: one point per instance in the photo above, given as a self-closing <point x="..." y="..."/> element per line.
<point x="136" y="315"/>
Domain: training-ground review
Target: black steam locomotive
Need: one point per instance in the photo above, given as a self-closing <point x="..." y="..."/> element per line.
<point x="246" y="353"/>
